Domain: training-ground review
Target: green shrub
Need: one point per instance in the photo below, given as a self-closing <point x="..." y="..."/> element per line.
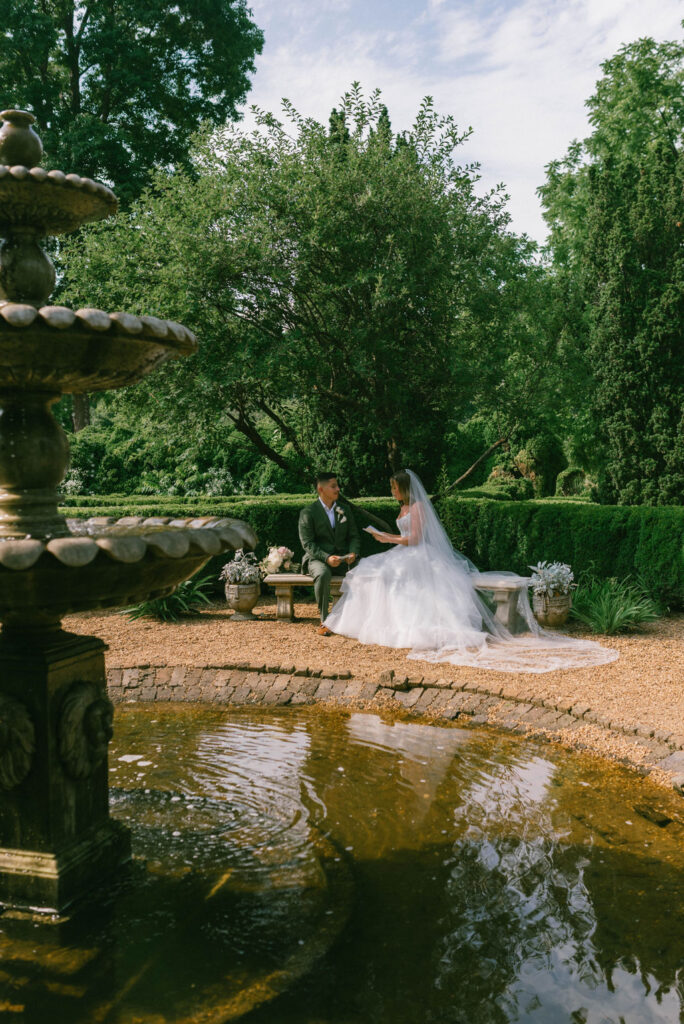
<point x="573" y="481"/>
<point x="540" y="462"/>
<point x="610" y="541"/>
<point x="501" y="488"/>
<point x="613" y="606"/>
<point x="185" y="600"/>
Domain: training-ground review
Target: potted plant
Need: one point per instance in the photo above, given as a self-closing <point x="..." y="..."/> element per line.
<point x="552" y="583"/>
<point x="242" y="577"/>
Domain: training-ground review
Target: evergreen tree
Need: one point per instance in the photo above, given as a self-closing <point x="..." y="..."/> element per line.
<point x="636" y="341"/>
<point x="614" y="207"/>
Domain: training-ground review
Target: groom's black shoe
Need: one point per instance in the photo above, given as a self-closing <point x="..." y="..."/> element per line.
<point x="324" y="631"/>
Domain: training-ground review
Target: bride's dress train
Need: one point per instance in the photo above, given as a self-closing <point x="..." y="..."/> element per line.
<point x="421" y="596"/>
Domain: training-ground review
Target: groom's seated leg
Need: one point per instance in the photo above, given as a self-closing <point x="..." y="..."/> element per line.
<point x="321" y="576"/>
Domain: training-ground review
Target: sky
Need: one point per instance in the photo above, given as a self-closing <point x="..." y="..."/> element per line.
<point x="518" y="72"/>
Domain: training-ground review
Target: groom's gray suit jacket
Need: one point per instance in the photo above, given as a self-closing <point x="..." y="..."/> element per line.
<point x="319" y="539"/>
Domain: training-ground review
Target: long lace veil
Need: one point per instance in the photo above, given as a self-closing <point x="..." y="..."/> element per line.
<point x="472" y="634"/>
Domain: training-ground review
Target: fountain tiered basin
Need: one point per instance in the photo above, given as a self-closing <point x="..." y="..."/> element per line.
<point x="109" y="563"/>
<point x="56" y="349"/>
<point x="57" y="840"/>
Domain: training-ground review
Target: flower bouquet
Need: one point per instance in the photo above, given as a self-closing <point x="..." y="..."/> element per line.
<point x="278" y="559"/>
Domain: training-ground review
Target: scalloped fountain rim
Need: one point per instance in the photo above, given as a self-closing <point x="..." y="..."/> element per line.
<point x="58" y="179"/>
<point x="128" y="540"/>
<point x="20" y="315"/>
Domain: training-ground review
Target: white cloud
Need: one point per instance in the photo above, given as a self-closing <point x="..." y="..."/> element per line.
<point x="518" y="72"/>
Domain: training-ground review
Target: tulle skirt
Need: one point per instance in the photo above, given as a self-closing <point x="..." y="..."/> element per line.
<point x="402" y="599"/>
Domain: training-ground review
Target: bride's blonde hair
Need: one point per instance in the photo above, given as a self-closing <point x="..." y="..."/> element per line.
<point x="403" y="482"/>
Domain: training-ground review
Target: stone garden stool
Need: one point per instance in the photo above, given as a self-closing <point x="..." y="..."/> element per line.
<point x="505" y="590"/>
<point x="284" y="584"/>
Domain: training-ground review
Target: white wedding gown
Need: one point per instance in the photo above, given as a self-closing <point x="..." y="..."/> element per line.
<point x="421" y="596"/>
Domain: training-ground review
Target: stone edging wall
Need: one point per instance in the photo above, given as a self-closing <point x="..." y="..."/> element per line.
<point x="280" y="686"/>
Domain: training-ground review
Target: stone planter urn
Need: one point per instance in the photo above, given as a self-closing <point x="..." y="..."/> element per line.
<point x="242" y="597"/>
<point x="552" y="609"/>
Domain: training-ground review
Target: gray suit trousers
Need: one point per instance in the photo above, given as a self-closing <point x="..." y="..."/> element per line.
<point x="322" y="574"/>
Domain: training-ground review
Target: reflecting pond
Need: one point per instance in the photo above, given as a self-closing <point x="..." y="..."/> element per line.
<point x="321" y="867"/>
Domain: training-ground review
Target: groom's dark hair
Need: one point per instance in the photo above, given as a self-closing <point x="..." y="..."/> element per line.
<point x="322" y="478"/>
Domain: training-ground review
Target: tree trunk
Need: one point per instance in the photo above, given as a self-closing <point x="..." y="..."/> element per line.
<point x="464" y="476"/>
<point x="80" y="412"/>
<point x="393" y="456"/>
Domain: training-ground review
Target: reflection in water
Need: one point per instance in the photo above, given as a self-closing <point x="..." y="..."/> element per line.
<point x="403" y="873"/>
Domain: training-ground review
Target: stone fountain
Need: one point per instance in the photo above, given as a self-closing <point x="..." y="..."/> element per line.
<point x="57" y="840"/>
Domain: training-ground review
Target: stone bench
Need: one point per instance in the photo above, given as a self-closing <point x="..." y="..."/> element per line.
<point x="504" y="590"/>
<point x="284" y="584"/>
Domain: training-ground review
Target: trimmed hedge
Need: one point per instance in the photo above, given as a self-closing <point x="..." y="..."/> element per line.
<point x="274" y="517"/>
<point x="607" y="540"/>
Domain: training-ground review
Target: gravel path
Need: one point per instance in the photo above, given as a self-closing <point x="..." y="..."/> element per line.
<point x="645" y="686"/>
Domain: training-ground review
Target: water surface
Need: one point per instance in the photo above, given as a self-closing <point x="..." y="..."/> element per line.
<point x="332" y="868"/>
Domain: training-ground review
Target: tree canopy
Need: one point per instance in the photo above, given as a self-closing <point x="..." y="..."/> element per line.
<point x="119" y="86"/>
<point x="353" y="295"/>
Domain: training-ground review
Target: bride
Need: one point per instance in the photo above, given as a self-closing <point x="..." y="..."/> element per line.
<point x="420" y="595"/>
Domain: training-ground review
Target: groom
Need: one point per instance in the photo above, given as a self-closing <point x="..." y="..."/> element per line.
<point x="330" y="538"/>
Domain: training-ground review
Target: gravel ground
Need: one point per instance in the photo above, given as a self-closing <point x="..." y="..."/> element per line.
<point x="643" y="687"/>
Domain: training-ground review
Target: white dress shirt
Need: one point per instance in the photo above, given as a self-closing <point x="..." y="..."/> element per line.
<point x="330" y="512"/>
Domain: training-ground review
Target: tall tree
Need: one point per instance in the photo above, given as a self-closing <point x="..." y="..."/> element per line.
<point x="119" y="86"/>
<point x="614" y="206"/>
<point x="346" y="286"/>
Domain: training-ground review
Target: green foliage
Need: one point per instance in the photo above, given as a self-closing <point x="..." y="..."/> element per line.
<point x="647" y="543"/>
<point x="464" y="445"/>
<point x="540" y="462"/>
<point x="186" y="599"/>
<point x="185" y="459"/>
<point x="502" y="488"/>
<point x="339" y="277"/>
<point x="119" y="86"/>
<point x="614" y="209"/>
<point x="608" y="541"/>
<point x="573" y="482"/>
<point x="613" y="606"/>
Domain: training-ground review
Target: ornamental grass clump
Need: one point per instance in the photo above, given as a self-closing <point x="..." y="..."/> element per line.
<point x="614" y="606"/>
<point x="185" y="600"/>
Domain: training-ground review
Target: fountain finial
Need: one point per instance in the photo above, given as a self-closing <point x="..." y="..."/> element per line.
<point x="19" y="143"/>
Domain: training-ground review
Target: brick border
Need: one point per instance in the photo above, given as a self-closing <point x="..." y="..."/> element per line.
<point x="280" y="686"/>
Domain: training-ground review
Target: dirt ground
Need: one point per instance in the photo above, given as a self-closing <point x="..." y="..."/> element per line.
<point x="644" y="686"/>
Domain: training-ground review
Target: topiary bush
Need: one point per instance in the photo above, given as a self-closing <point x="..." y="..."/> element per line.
<point x="572" y="482"/>
<point x="540" y="462"/>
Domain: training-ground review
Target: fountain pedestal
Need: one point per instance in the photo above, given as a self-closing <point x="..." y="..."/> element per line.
<point x="56" y="836"/>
